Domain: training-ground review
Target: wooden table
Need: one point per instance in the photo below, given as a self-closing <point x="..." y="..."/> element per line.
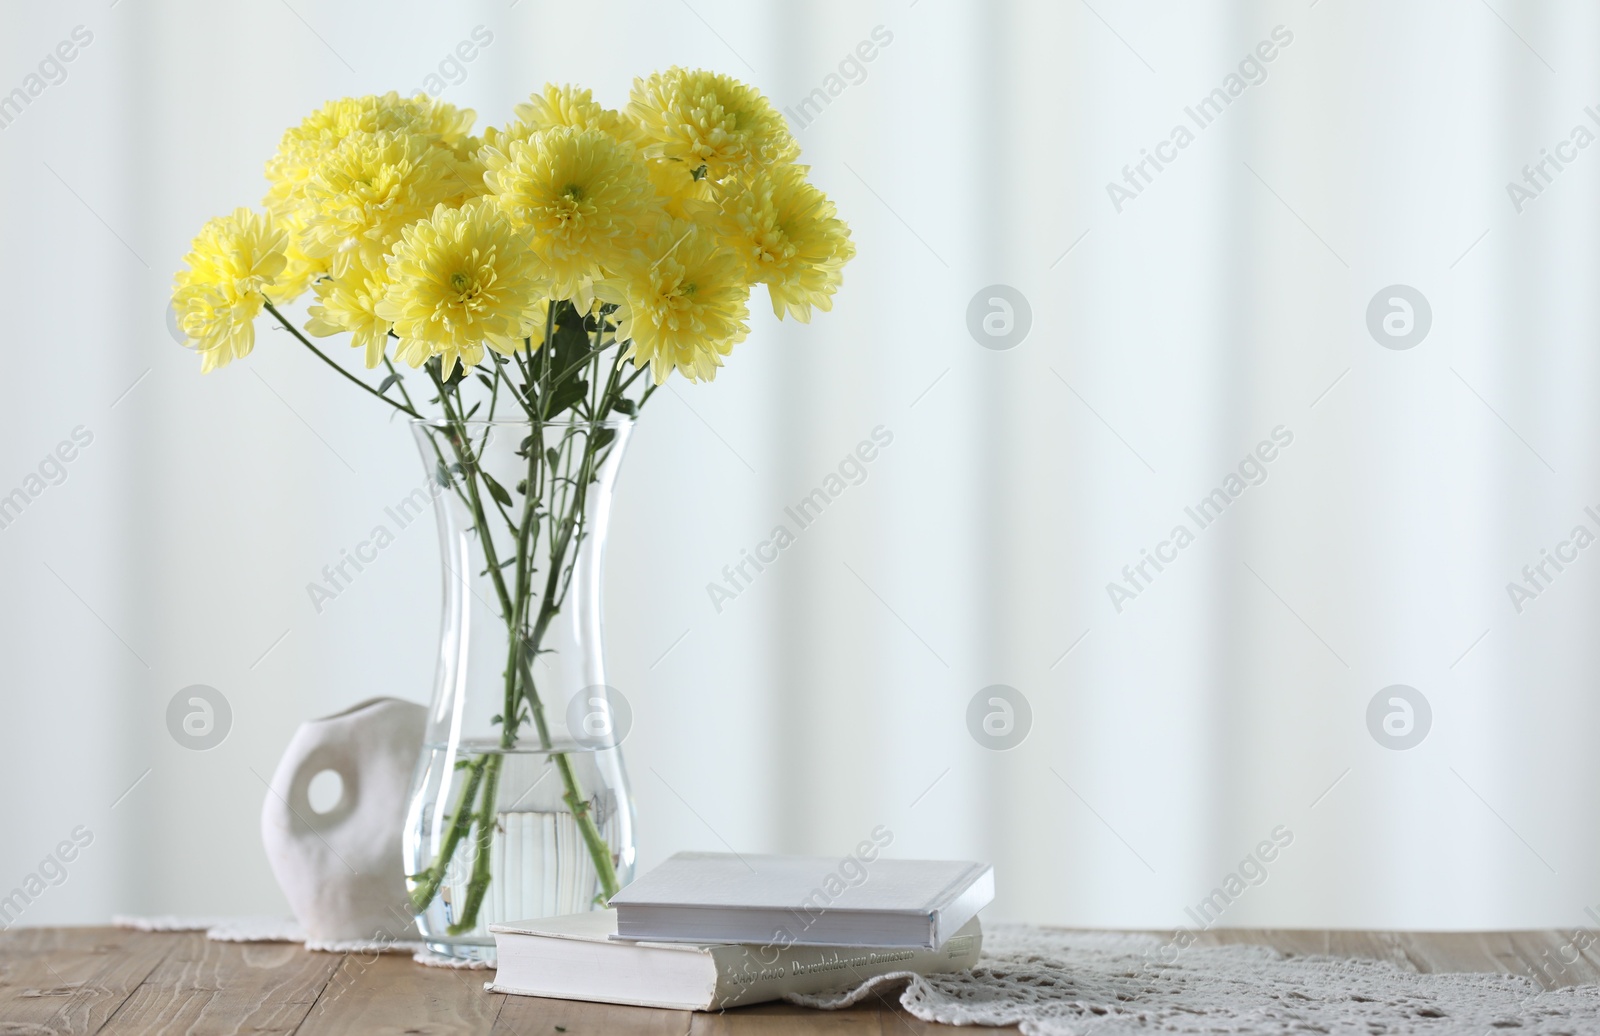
<point x="107" y="980"/>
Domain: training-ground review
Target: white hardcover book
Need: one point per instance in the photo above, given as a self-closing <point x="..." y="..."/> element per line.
<point x="803" y="900"/>
<point x="576" y="958"/>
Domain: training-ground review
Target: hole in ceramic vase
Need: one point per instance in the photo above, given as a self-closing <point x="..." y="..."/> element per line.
<point x="325" y="791"/>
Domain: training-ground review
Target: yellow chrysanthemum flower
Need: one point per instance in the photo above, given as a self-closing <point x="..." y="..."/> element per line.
<point x="459" y="279"/>
<point x="568" y="106"/>
<point x="216" y="300"/>
<point x="709" y="119"/>
<point x="580" y="192"/>
<point x="300" y="270"/>
<point x="349" y="303"/>
<point x="682" y="299"/>
<point x="303" y="146"/>
<point x="362" y="193"/>
<point x="452" y="124"/>
<point x="789" y="238"/>
<point x="387" y="113"/>
<point x="679" y="193"/>
<point x="571" y="106"/>
<point x="497" y="139"/>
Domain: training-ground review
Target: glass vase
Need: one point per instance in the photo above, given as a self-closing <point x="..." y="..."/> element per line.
<point x="519" y="805"/>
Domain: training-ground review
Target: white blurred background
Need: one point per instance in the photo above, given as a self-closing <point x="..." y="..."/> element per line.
<point x="1169" y="334"/>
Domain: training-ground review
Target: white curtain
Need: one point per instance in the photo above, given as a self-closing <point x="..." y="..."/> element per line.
<point x="1181" y="310"/>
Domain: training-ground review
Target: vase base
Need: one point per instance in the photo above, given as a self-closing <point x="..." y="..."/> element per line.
<point x="465" y="951"/>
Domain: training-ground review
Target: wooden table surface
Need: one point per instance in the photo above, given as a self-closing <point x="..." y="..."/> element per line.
<point x="108" y="980"/>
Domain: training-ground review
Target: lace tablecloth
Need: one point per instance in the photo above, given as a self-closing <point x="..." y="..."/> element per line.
<point x="1054" y="983"/>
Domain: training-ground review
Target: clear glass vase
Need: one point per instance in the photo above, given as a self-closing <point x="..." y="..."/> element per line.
<point x="519" y="805"/>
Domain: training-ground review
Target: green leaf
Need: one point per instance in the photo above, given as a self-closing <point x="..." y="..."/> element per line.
<point x="442" y="474"/>
<point x="496" y="490"/>
<point x="552" y="458"/>
<point x="570" y="339"/>
<point x="435" y="366"/>
<point x="626" y="406"/>
<point x="564" y="394"/>
<point x="393" y="379"/>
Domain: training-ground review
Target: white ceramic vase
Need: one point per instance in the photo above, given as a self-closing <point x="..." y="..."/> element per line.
<point x="341" y="869"/>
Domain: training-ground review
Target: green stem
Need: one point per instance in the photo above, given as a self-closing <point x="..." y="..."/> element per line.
<point x="599" y="851"/>
<point x="460" y="442"/>
<point x="405" y="409"/>
<point x="433" y="877"/>
<point x="570" y="371"/>
<point x="557" y="581"/>
<point x="478" y="884"/>
<point x="400" y="383"/>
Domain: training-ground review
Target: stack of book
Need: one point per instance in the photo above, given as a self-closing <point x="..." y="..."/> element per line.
<point x="707" y="931"/>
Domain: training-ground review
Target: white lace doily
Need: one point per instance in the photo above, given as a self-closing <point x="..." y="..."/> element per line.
<point x="219" y="929"/>
<point x="277" y="929"/>
<point x="1056" y="983"/>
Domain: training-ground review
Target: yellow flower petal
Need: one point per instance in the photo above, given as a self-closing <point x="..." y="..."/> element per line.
<point x="458" y="279"/>
<point x="787" y="235"/>
<point x="349" y="303"/>
<point x="580" y="194"/>
<point x="682" y="299"/>
<point x="709" y="119"/>
<point x="232" y="264"/>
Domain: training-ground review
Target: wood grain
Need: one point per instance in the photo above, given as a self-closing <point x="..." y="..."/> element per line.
<point x="107" y="981"/>
<point x="70" y="980"/>
<point x="390" y="993"/>
<point x="789" y="1020"/>
<point x="206" y="988"/>
<point x="536" y="1016"/>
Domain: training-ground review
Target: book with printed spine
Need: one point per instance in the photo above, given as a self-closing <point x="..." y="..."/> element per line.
<point x="577" y="957"/>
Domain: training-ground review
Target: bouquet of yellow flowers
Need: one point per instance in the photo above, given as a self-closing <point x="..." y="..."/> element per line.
<point x="409" y="228"/>
<point x="539" y="269"/>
